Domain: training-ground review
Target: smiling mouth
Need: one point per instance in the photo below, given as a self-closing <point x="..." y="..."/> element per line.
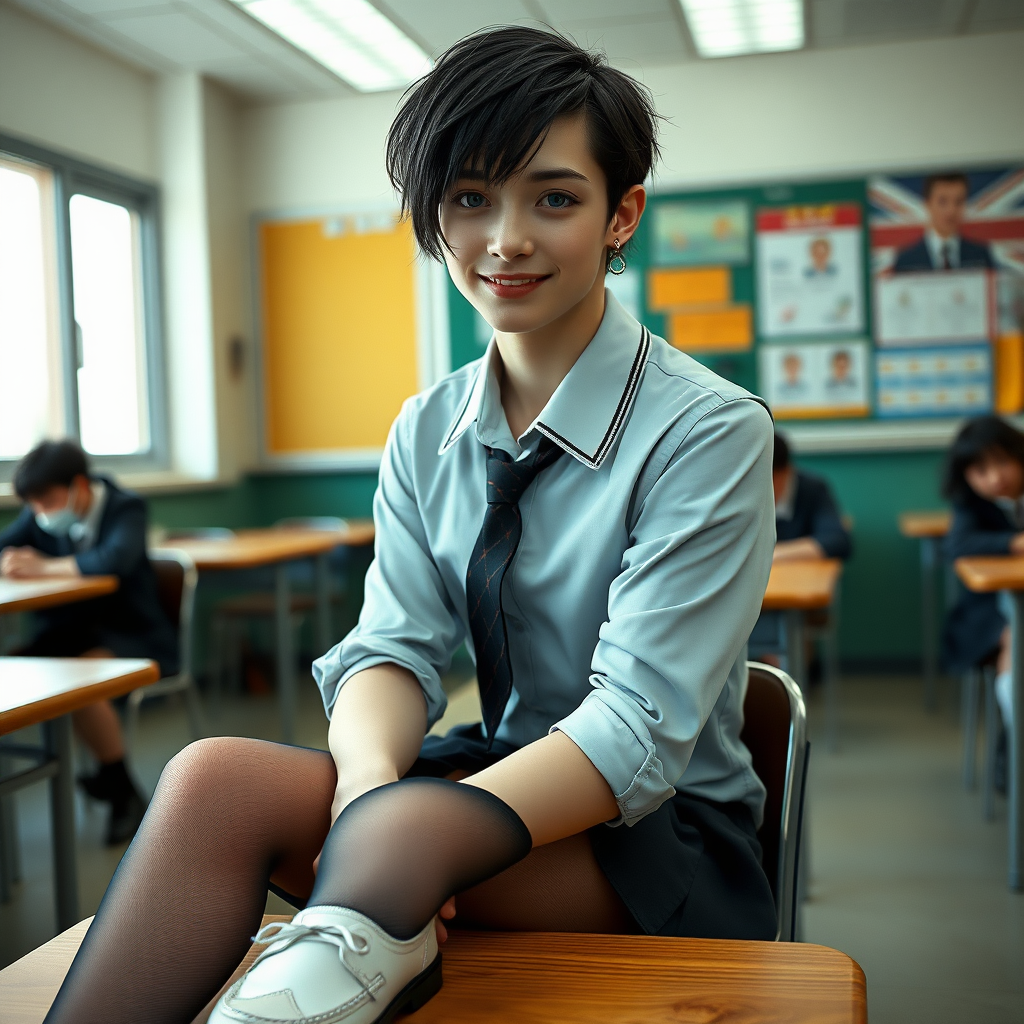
<point x="502" y="281"/>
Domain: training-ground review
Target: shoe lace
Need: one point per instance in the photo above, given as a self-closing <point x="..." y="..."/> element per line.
<point x="282" y="934"/>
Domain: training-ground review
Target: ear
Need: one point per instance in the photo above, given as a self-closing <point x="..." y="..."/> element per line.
<point x="627" y="216"/>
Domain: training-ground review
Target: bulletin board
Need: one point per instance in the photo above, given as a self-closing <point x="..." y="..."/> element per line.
<point x="338" y="334"/>
<point x="792" y="290"/>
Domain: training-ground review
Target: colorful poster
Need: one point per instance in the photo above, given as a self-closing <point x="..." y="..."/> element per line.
<point x="695" y="233"/>
<point x="925" y="308"/>
<point x="816" y="380"/>
<point x="809" y="271"/>
<point x="934" y="382"/>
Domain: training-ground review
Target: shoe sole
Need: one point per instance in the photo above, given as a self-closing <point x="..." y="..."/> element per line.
<point x="417" y="993"/>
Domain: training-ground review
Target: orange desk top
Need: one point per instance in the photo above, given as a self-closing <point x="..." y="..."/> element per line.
<point x="803" y="584"/>
<point x="925" y="524"/>
<point x="34" y="690"/>
<point x="985" y="573"/>
<point x="249" y="549"/>
<point x="47" y="591"/>
<point x="533" y="978"/>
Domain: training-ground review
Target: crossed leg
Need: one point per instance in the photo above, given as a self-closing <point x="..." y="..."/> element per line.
<point x="228" y="815"/>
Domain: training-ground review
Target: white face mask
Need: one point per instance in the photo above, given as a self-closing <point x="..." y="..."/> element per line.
<point x="58" y="523"/>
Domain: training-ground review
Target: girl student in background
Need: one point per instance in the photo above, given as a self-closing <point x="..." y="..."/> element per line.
<point x="592" y="510"/>
<point x="984" y="479"/>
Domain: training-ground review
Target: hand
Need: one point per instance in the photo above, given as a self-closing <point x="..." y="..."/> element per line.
<point x="446" y="913"/>
<point x="1017" y="545"/>
<point x="22" y="563"/>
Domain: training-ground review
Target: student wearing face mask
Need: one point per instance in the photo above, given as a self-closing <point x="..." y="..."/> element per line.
<point x="76" y="523"/>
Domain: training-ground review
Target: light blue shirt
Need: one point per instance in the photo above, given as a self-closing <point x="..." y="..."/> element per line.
<point x="627" y="613"/>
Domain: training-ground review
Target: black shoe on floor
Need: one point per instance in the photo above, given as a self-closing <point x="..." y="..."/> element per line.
<point x="95" y="786"/>
<point x="126" y="815"/>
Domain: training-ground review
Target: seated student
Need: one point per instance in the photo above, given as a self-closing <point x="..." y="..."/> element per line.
<point x="807" y="518"/>
<point x="79" y="524"/>
<point x="807" y="525"/>
<point x="591" y="509"/>
<point x="984" y="479"/>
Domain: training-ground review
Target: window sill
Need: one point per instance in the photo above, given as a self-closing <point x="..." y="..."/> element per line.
<point x="159" y="482"/>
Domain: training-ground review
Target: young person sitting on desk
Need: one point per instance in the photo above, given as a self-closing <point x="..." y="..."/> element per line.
<point x="807" y="526"/>
<point x="624" y="493"/>
<point x="984" y="479"/>
<point x="75" y="523"/>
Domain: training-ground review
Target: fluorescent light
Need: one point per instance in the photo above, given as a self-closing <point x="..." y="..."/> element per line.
<point x="727" y="28"/>
<point x="350" y="37"/>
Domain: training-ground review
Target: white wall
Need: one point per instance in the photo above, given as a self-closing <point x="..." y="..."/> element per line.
<point x="65" y="94"/>
<point x="819" y="112"/>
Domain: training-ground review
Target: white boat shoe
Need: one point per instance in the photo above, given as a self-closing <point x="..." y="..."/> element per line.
<point x="332" y="964"/>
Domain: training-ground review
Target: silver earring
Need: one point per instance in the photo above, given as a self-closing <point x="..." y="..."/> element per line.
<point x="616" y="260"/>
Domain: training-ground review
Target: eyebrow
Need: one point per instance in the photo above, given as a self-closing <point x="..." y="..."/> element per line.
<point x="552" y="174"/>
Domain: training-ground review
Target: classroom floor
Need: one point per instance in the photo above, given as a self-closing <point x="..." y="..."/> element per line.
<point x="907" y="877"/>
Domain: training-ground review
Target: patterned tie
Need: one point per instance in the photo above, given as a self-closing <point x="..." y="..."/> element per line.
<point x="947" y="256"/>
<point x="495" y="547"/>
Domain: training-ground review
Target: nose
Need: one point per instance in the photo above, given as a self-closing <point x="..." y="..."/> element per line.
<point x="510" y="238"/>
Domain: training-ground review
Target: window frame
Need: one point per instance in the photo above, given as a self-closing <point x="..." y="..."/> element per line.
<point x="70" y="177"/>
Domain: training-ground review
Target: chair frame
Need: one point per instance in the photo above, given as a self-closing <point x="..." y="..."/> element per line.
<point x="787" y="884"/>
<point x="184" y="680"/>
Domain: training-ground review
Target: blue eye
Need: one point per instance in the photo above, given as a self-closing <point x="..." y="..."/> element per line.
<point x="472" y="200"/>
<point x="558" y="201"/>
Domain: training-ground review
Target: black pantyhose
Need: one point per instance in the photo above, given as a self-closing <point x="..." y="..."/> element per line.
<point x="231" y="813"/>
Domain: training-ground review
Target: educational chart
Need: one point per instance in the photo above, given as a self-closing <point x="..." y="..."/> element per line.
<point x="689" y="234"/>
<point x="924" y="308"/>
<point x="815" y="380"/>
<point x="947" y="381"/>
<point x="810" y="275"/>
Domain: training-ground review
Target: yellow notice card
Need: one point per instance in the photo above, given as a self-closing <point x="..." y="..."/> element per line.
<point x="1009" y="374"/>
<point x="720" y="330"/>
<point x="669" y="289"/>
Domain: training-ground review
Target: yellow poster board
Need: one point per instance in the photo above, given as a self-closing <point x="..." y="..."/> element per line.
<point x="668" y="289"/>
<point x="338" y="318"/>
<point x="715" y="330"/>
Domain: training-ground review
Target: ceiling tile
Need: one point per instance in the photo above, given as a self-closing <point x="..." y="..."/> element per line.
<point x="997" y="15"/>
<point x="900" y="18"/>
<point x="439" y="23"/>
<point x="826" y="21"/>
<point x="633" y="39"/>
<point x="177" y="37"/>
<point x="583" y="10"/>
<point x="98" y="8"/>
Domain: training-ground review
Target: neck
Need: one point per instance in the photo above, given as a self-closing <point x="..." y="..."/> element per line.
<point x="534" y="364"/>
<point x="942" y="234"/>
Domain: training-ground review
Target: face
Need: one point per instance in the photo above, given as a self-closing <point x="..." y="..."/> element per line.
<point x="780" y="480"/>
<point x="58" y="497"/>
<point x="533" y="249"/>
<point x="791" y="367"/>
<point x="820" y="252"/>
<point x="840" y="365"/>
<point x="946" y="207"/>
<point x="995" y="475"/>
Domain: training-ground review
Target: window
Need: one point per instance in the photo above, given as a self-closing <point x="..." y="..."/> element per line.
<point x="79" y="314"/>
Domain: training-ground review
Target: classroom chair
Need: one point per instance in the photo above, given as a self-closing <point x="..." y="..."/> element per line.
<point x="176" y="579"/>
<point x="981" y="679"/>
<point x="775" y="732"/>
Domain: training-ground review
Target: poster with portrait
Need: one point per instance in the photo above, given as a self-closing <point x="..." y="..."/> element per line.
<point x="810" y="280"/>
<point x="944" y="381"/>
<point x="924" y="308"/>
<point x="816" y="380"/>
<point x="692" y="233"/>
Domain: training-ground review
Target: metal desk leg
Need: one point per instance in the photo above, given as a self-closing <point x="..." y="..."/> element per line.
<point x="796" y="653"/>
<point x="322" y="573"/>
<point x="62" y="812"/>
<point x="285" y="655"/>
<point x="1015" y="789"/>
<point x="929" y="559"/>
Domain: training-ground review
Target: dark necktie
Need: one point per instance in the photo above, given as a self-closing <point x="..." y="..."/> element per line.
<point x="495" y="547"/>
<point x="947" y="255"/>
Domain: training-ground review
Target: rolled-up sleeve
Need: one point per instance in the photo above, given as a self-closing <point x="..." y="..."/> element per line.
<point x="681" y="610"/>
<point x="407" y="617"/>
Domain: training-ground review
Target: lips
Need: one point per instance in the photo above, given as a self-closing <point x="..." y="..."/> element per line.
<point x="513" y="286"/>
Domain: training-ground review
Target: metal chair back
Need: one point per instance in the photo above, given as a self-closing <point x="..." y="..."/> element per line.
<point x="775" y="732"/>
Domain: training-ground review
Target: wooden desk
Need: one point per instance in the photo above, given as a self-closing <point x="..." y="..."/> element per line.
<point x="987" y="574"/>
<point x="45" y="592"/>
<point x="531" y="978"/>
<point x="45" y="691"/>
<point x="929" y="528"/>
<point x="250" y="549"/>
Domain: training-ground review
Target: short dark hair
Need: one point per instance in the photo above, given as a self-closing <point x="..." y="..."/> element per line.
<point x="953" y="177"/>
<point x="780" y="456"/>
<point x="977" y="438"/>
<point x="491" y="97"/>
<point x="49" y="464"/>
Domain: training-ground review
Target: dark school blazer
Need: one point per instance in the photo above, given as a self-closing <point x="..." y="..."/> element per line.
<point x="974" y="624"/>
<point x="815" y="514"/>
<point x="130" y="621"/>
<point x="917" y="257"/>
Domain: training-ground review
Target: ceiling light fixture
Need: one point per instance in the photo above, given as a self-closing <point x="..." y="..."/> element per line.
<point x="728" y="28"/>
<point x="350" y="37"/>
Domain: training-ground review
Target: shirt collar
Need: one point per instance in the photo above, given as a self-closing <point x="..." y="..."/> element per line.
<point x="786" y="504"/>
<point x="937" y="244"/>
<point x="84" y="533"/>
<point x="588" y="409"/>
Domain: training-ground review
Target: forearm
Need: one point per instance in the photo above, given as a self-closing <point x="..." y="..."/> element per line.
<point x="66" y="566"/>
<point x="795" y="550"/>
<point x="553" y="786"/>
<point x="377" y="727"/>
